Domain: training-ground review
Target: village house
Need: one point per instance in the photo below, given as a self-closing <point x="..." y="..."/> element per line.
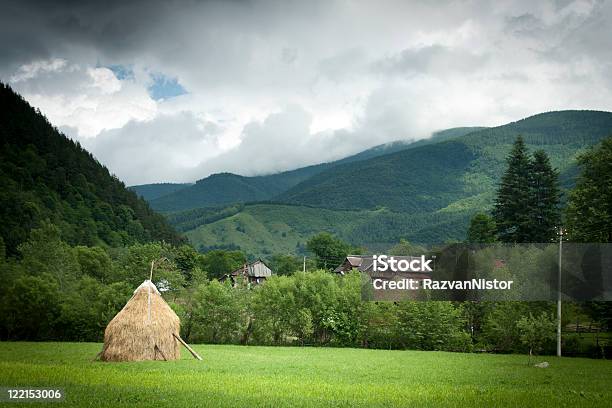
<point x="360" y="262"/>
<point x="365" y="263"/>
<point x="253" y="273"/>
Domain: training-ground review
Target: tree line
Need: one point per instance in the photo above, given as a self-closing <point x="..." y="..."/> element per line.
<point x="55" y="291"/>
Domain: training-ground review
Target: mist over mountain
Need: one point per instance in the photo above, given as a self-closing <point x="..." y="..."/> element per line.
<point x="228" y="188"/>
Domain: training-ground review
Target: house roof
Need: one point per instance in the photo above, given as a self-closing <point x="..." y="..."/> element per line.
<point x="257" y="269"/>
<point x="364" y="263"/>
<point x="361" y="262"/>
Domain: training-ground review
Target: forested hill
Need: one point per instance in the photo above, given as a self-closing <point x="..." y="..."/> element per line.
<point x="152" y="191"/>
<point x="433" y="176"/>
<point x="229" y="188"/>
<point x="226" y="188"/>
<point x="46" y="176"/>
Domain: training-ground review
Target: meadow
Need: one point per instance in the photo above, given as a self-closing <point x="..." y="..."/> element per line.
<point x="247" y="376"/>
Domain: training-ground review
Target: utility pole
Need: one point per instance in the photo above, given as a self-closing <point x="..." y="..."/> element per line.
<point x="559" y="293"/>
<point x="304" y="270"/>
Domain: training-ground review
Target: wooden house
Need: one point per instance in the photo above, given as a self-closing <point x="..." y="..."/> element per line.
<point x="252" y="273"/>
<point x="365" y="264"/>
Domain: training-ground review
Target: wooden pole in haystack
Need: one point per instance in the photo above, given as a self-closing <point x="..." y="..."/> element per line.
<point x="154" y="264"/>
<point x="192" y="351"/>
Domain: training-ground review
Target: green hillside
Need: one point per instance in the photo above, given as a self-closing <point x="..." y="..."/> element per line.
<point x="425" y="194"/>
<point x="425" y="178"/>
<point x="268" y="228"/>
<point x="46" y="176"/>
<point x="260" y="229"/>
<point x="399" y="145"/>
<point x="152" y="191"/>
<point x="228" y="188"/>
<point x="432" y="177"/>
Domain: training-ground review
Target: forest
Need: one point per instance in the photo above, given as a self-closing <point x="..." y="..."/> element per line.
<point x="46" y="176"/>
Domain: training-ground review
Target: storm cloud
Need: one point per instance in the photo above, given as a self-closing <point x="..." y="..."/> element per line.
<point x="175" y="91"/>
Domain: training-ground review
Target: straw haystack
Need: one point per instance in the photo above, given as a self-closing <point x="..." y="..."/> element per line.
<point x="145" y="329"/>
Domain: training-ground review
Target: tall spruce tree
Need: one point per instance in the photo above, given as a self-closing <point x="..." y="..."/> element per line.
<point x="543" y="210"/>
<point x="513" y="197"/>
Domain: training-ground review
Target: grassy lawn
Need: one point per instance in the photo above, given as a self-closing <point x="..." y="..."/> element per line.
<point x="235" y="376"/>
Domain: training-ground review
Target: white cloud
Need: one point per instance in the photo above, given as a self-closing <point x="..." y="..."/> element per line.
<point x="167" y="147"/>
<point x="298" y="83"/>
<point x="34" y="69"/>
<point x="87" y="99"/>
<point x="104" y="79"/>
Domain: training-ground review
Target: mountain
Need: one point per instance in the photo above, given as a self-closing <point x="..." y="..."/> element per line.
<point x="46" y="176"/>
<point x="433" y="176"/>
<point x="425" y="194"/>
<point x="228" y="188"/>
<point x="423" y="178"/>
<point x="399" y="145"/>
<point x="152" y="191"/>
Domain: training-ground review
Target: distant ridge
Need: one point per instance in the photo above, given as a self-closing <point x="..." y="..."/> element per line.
<point x="227" y="188"/>
<point x="152" y="191"/>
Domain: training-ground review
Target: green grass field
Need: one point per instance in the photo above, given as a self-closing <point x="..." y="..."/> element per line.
<point x="235" y="376"/>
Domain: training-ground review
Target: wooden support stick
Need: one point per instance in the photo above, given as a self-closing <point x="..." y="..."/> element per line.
<point x="192" y="351"/>
<point x="160" y="352"/>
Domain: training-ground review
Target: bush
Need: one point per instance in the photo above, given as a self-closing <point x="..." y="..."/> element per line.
<point x="433" y="325"/>
<point x="30" y="308"/>
<point x="536" y="331"/>
<point x="219" y="313"/>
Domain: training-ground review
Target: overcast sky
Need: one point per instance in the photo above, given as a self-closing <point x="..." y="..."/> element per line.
<point x="177" y="90"/>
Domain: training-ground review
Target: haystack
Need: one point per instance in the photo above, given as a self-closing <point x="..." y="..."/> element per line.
<point x="145" y="329"/>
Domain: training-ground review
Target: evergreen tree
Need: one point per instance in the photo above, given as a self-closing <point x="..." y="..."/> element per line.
<point x="589" y="212"/>
<point x="482" y="229"/>
<point x="513" y="197"/>
<point x="543" y="209"/>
